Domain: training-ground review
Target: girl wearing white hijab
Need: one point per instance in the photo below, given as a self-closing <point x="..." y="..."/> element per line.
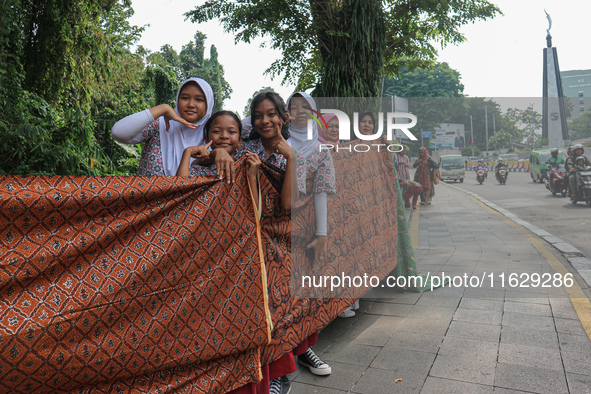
<point x="165" y="131"/>
<point x="319" y="163"/>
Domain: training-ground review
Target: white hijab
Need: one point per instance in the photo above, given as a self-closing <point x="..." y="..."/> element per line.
<point x="178" y="137"/>
<point x="299" y="135"/>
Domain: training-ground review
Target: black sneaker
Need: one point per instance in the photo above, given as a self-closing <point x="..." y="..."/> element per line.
<point x="313" y="363"/>
<point x="279" y="386"/>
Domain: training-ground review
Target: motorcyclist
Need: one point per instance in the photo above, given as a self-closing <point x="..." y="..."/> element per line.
<point x="578" y="150"/>
<point x="481" y="166"/>
<point x="553" y="161"/>
<point x="500" y="165"/>
<point x="569" y="165"/>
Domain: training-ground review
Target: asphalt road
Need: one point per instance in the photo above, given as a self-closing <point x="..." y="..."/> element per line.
<point x="533" y="203"/>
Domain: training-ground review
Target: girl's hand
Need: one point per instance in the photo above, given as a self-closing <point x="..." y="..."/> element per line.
<point x="253" y="163"/>
<point x="318" y="246"/>
<point x="199" y="152"/>
<point x="280" y="145"/>
<point x="224" y="164"/>
<point x="171" y="114"/>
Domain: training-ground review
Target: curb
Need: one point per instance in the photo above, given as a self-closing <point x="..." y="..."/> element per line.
<point x="574" y="256"/>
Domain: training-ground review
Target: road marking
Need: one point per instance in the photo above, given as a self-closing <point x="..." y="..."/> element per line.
<point x="414" y="228"/>
<point x="577" y="297"/>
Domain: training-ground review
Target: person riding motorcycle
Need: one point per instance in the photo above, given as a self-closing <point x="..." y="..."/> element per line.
<point x="500" y="165"/>
<point x="481" y="166"/>
<point x="553" y="161"/>
<point x="578" y="150"/>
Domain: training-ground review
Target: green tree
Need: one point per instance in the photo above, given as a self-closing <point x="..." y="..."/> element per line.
<point x="437" y="81"/>
<point x="580" y="127"/>
<point x="344" y="47"/>
<point x="526" y="121"/>
<point x="435" y="95"/>
<point x="246" y="111"/>
<point x="62" y="53"/>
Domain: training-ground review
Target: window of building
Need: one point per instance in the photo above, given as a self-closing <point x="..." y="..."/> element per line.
<point x="580" y="94"/>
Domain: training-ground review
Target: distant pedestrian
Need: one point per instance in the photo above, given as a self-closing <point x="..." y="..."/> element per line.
<point x="412" y="189"/>
<point x="425" y="175"/>
<point x="403" y="165"/>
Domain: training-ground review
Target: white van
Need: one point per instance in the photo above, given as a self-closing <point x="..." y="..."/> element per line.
<point x="451" y="168"/>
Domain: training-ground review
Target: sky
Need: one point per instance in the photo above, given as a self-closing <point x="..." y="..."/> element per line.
<point x="502" y="57"/>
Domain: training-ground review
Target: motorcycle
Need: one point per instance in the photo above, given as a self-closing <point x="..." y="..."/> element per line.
<point x="559" y="182"/>
<point x="583" y="185"/>
<point x="480" y="175"/>
<point x="502" y="175"/>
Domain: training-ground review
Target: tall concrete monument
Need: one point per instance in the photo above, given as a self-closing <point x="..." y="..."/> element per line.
<point x="554" y="113"/>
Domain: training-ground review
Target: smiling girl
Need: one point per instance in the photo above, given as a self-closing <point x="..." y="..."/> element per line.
<point x="223" y="131"/>
<point x="165" y="131"/>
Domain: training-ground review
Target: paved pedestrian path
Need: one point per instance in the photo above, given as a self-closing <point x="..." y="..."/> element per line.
<point x="479" y="338"/>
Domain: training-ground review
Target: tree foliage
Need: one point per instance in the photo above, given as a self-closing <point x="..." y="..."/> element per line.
<point x="580" y="127"/>
<point x="61" y="55"/>
<point x="342" y="47"/>
<point x="166" y="69"/>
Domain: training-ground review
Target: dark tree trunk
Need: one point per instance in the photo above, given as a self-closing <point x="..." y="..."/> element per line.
<point x="352" y="38"/>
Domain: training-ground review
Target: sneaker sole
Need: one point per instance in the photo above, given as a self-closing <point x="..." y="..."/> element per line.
<point x="317" y="371"/>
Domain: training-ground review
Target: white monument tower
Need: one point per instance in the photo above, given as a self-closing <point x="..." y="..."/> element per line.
<point x="554" y="112"/>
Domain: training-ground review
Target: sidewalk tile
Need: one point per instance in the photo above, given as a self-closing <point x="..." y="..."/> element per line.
<point x="577" y="362"/>
<point x="432" y="312"/>
<point x="579" y="383"/>
<point x="350" y="353"/>
<point x="481" y="304"/>
<point x="468" y="330"/>
<point x="416" y="342"/>
<point x="470" y="349"/>
<point x="519" y="336"/>
<point x="528" y="322"/>
<point x="343" y="377"/>
<point x="574" y="343"/>
<point x="465" y="370"/>
<point x="379" y="381"/>
<point x="445" y="386"/>
<point x="370" y="337"/>
<point x="485" y="294"/>
<point x="569" y="326"/>
<point x="404" y="361"/>
<point x="530" y="309"/>
<point x="424" y="326"/>
<point x="429" y="299"/>
<point x="532" y="356"/>
<point x="389" y="309"/>
<point x="302" y="388"/>
<point x="478" y="316"/>
<point x="563" y="308"/>
<point x="531" y="379"/>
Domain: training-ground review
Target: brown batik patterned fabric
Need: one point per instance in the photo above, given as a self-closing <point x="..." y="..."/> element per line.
<point x="129" y="284"/>
<point x="155" y="285"/>
<point x="362" y="239"/>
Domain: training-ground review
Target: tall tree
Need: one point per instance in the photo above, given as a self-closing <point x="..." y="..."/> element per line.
<point x="343" y="47"/>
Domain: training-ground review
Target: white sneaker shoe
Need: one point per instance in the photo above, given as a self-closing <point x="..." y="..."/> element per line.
<point x="347" y="313"/>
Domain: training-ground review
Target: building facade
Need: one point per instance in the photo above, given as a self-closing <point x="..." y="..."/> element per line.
<point x="576" y="85"/>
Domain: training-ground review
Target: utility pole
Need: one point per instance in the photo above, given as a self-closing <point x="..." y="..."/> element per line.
<point x="486" y="125"/>
<point x="494" y="125"/>
<point x="472" y="132"/>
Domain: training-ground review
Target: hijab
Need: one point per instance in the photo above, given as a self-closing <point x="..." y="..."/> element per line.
<point x="178" y="137"/>
<point x="322" y="133"/>
<point x="299" y="135"/>
<point x="425" y="155"/>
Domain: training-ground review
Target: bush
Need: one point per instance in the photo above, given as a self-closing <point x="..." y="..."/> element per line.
<point x="467" y="151"/>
